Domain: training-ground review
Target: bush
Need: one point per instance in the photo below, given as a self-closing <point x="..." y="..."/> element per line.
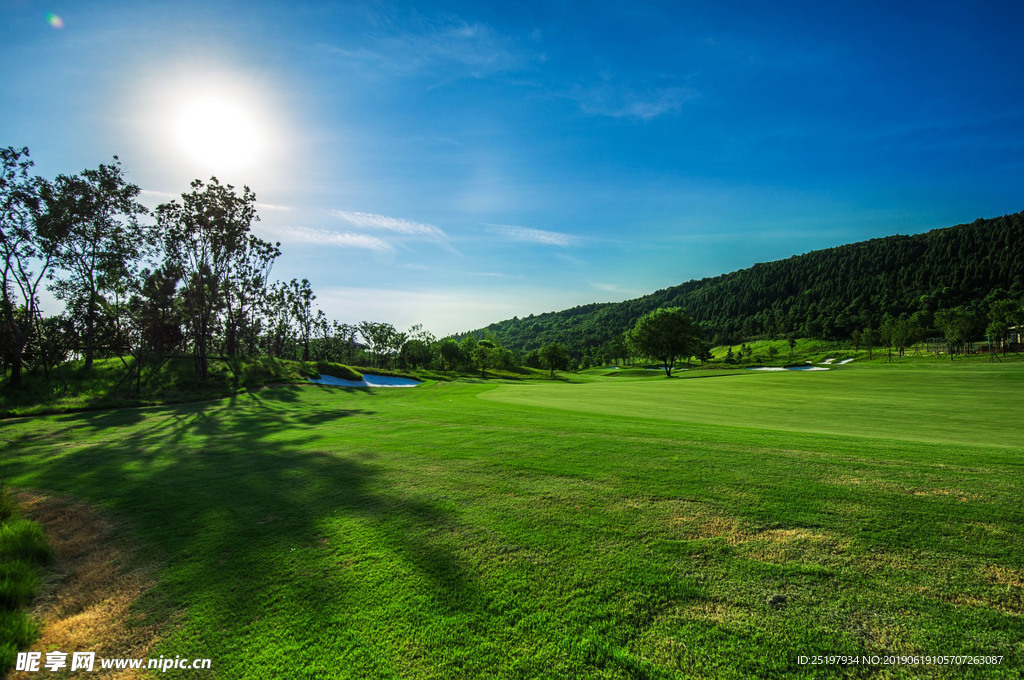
<point x="18" y="584"/>
<point x="17" y="631"/>
<point x="22" y="549"/>
<point x="21" y="539"/>
<point x="340" y="371"/>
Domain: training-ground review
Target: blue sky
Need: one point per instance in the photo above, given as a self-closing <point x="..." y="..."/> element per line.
<point x="454" y="164"/>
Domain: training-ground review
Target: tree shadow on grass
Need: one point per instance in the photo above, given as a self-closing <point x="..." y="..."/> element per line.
<point x="256" y="505"/>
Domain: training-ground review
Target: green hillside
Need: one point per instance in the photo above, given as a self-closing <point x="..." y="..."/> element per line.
<point x="822" y="294"/>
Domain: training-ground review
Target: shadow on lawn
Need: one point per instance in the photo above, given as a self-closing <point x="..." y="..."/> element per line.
<point x="234" y="495"/>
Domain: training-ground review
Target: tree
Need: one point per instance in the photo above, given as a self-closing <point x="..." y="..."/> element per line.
<point x="205" y="235"/>
<point x="665" y="335"/>
<point x="792" y="347"/>
<point x="554" y="356"/>
<point x="483" y="354"/>
<point x="300" y="297"/>
<point x="1002" y="313"/>
<point x="244" y="290"/>
<point x="418" y="348"/>
<point x="467" y="347"/>
<point x="27" y="249"/>
<point x="100" y="241"/>
<point x="451" y="353"/>
<point x="956" y="325"/>
<point x="384" y="340"/>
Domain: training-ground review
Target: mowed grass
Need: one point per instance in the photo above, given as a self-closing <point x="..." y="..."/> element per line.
<point x="706" y="527"/>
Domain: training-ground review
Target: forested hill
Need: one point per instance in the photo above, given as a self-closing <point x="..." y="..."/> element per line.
<point x="825" y="293"/>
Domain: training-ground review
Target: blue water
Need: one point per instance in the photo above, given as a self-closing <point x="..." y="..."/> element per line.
<point x="369" y="380"/>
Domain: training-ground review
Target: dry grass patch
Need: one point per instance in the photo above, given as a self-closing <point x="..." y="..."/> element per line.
<point x="1004" y="576"/>
<point x="88" y="593"/>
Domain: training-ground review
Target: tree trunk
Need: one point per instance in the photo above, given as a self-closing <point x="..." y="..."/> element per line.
<point x="16" y="368"/>
<point x="90" y="332"/>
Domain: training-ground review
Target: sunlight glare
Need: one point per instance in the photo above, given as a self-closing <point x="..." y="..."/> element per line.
<point x="216" y="131"/>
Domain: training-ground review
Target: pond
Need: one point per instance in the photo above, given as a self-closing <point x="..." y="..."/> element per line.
<point x="369" y="380"/>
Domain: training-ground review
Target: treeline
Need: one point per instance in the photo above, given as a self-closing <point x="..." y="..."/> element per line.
<point x="188" y="279"/>
<point x="827" y="294"/>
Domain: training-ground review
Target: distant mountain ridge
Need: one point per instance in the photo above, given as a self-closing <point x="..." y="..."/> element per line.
<point x="824" y="293"/>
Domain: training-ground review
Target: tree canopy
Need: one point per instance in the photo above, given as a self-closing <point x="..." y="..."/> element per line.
<point x="666" y="335"/>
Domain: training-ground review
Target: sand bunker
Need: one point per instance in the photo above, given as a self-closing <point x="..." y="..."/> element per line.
<point x="787" y="368"/>
<point x="369" y="380"/>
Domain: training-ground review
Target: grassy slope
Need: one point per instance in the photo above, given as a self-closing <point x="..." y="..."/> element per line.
<point x="711" y="527"/>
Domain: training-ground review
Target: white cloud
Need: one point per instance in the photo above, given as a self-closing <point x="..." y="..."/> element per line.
<point x="363" y="220"/>
<point x="272" y="207"/>
<point x="528" y="235"/>
<point x="450" y="48"/>
<point x="607" y="287"/>
<point x="639" y="103"/>
<point x="343" y="239"/>
<point x="150" y="193"/>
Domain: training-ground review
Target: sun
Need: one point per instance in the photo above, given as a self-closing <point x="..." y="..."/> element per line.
<point x="217" y="131"/>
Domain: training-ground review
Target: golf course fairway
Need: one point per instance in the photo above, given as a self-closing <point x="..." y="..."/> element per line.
<point x="713" y="525"/>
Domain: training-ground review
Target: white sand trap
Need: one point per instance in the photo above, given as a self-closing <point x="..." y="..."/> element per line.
<point x="788" y="368"/>
<point x="844" y="361"/>
<point x="826" y="362"/>
<point x="369" y="380"/>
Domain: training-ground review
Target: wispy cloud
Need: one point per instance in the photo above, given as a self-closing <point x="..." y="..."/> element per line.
<point x="529" y="235"/>
<point x="452" y="48"/>
<point x="150" y="193"/>
<point x="638" y="102"/>
<point x="364" y="220"/>
<point x="272" y="207"/>
<point x="565" y="257"/>
<point x="341" y="239"/>
<point x="415" y="266"/>
<point x="607" y="287"/>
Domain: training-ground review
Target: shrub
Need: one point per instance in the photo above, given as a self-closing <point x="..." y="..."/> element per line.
<point x="340" y="371"/>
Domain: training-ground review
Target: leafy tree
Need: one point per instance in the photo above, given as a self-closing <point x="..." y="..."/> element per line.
<point x="300" y="298"/>
<point x="665" y="335"/>
<point x="206" y="235"/>
<point x="483" y="355"/>
<point x="28" y="250"/>
<point x="1002" y="314"/>
<point x="467" y="348"/>
<point x="418" y="349"/>
<point x="100" y="240"/>
<point x="554" y="356"/>
<point x="957" y="325"/>
<point x="245" y="290"/>
<point x="792" y="347"/>
<point x="384" y="340"/>
<point x="451" y="353"/>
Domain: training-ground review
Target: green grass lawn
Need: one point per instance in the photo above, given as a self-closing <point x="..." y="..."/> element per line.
<point x="714" y="525"/>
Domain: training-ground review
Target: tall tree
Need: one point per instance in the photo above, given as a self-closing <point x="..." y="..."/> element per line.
<point x="97" y="214"/>
<point x="665" y="335"/>
<point x="450" y="352"/>
<point x="300" y="297"/>
<point x="245" y="287"/>
<point x="27" y="249"/>
<point x="554" y="356"/>
<point x="206" y="234"/>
